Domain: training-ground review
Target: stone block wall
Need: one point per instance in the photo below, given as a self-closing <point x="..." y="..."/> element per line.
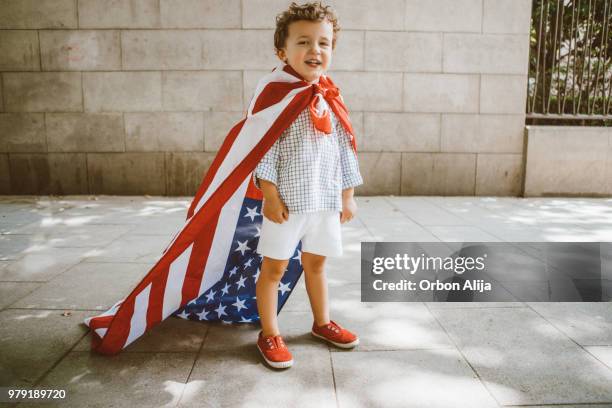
<point x="568" y="161"/>
<point x="136" y="96"/>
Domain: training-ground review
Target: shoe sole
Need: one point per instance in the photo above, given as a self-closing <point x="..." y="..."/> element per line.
<point x="275" y="364"/>
<point x="341" y="345"/>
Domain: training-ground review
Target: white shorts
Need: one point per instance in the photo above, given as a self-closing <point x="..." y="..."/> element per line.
<point x="320" y="233"/>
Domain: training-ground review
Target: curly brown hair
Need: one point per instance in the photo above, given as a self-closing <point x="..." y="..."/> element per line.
<point x="308" y="11"/>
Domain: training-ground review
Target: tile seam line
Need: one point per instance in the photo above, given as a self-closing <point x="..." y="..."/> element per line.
<point x="18" y="299"/>
<point x="466" y="219"/>
<point x="480" y="307"/>
<point x="386" y="198"/>
<point x="580" y="346"/>
<point x="195" y="360"/>
<point x="597" y="358"/>
<point x="333" y="375"/>
<point x="482" y="382"/>
<point x="18" y="281"/>
<point x="375" y="350"/>
<point x="42" y="377"/>
<point x="44" y="284"/>
<point x="365" y="226"/>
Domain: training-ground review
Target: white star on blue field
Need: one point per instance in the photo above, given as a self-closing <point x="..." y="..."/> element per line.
<point x="232" y="298"/>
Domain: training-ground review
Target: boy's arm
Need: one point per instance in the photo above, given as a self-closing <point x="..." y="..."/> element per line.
<point x="265" y="178"/>
<point x="267" y="169"/>
<point x="351" y="177"/>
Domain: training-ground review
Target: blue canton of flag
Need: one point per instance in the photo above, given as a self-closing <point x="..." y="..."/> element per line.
<point x="232" y="299"/>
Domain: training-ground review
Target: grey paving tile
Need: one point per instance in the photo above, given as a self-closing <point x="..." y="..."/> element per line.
<point x="461" y="233"/>
<point x="73" y="236"/>
<point x="586" y="323"/>
<point x="468" y="209"/>
<point x="171" y="335"/>
<point x="42" y="263"/>
<point x="385" y="325"/>
<point x="407" y="378"/>
<point x="521" y="233"/>
<point x="30" y="220"/>
<point x="132" y="248"/>
<point x="31" y="341"/>
<point x="240" y="379"/>
<point x="298" y="301"/>
<point x="535" y="250"/>
<point x="596" y="233"/>
<point x="573" y="406"/>
<point x="602" y="353"/>
<point x="399" y="229"/>
<point x="523" y="359"/>
<point x="136" y="210"/>
<point x="162" y="225"/>
<point x="423" y="212"/>
<point x="13" y="247"/>
<point x="12" y="221"/>
<point x="143" y="379"/>
<point x="51" y="204"/>
<point x="13" y="291"/>
<point x="10" y="204"/>
<point x="294" y="326"/>
<point x="374" y="207"/>
<point x="354" y="231"/>
<point x="519" y="355"/>
<point x="472" y="305"/>
<point x="582" y="212"/>
<point x="93" y="286"/>
<point x="345" y="269"/>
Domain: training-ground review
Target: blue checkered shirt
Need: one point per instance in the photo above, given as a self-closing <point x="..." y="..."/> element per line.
<point x="310" y="168"/>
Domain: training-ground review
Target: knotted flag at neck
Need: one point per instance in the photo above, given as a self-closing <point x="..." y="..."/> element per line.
<point x="209" y="269"/>
<point x="321" y="121"/>
<point x="323" y="89"/>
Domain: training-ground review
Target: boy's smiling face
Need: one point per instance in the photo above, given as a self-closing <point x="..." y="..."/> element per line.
<point x="307" y="42"/>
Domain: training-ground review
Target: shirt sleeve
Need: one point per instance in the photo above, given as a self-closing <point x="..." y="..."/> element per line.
<point x="267" y="168"/>
<point x="351" y="177"/>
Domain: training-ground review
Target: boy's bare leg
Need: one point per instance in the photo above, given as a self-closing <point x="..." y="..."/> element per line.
<point x="266" y="291"/>
<point x="316" y="286"/>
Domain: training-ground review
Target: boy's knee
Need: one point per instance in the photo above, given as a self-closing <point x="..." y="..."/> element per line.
<point x="273" y="269"/>
<point x="273" y="274"/>
<point x="313" y="261"/>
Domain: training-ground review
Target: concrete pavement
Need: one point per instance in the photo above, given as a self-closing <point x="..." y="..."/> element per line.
<point x="65" y="258"/>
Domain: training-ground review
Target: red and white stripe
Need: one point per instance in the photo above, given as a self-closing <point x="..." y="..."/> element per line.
<point x="195" y="258"/>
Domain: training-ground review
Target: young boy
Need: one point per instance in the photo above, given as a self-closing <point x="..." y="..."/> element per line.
<point x="307" y="179"/>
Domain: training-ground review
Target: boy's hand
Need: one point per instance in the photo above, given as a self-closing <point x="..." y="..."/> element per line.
<point x="274" y="208"/>
<point x="349" y="206"/>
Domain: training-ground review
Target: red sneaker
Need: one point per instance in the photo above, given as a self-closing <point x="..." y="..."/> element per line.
<point x="333" y="333"/>
<point x="274" y="351"/>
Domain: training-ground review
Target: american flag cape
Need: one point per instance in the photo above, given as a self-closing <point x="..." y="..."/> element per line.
<point x="209" y="269"/>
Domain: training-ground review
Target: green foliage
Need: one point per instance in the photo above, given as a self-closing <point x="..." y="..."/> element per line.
<point x="570" y="61"/>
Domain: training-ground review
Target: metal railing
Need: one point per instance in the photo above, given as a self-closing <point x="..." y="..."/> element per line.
<point x="570" y="67"/>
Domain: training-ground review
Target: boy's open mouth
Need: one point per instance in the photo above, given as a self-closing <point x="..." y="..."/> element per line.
<point x="313" y="62"/>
